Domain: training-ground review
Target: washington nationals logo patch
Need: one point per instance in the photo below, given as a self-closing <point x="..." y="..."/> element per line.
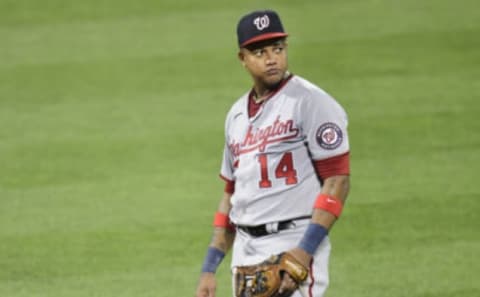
<point x="329" y="136"/>
<point x="261" y="22"/>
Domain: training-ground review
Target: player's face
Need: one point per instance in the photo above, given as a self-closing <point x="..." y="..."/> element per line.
<point x="266" y="61"/>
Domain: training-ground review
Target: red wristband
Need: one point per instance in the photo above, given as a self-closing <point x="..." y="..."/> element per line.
<point x="223" y="221"/>
<point x="329" y="203"/>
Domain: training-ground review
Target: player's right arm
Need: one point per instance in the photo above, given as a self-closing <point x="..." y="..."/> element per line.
<point x="222" y="241"/>
<point x="224" y="231"/>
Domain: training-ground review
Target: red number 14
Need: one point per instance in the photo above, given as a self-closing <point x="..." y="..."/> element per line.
<point x="284" y="169"/>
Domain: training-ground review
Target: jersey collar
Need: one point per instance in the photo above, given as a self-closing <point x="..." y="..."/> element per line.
<point x="253" y="107"/>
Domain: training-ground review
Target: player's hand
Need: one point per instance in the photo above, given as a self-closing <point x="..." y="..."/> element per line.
<point x="206" y="285"/>
<point x="288" y="284"/>
<point x="301" y="256"/>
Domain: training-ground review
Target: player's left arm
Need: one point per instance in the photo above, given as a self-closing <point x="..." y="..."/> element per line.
<point x="337" y="187"/>
<point x="326" y="212"/>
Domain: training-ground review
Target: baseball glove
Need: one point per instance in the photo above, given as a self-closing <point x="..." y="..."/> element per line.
<point x="264" y="279"/>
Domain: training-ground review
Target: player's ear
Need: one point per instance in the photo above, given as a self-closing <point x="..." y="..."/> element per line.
<point x="241" y="57"/>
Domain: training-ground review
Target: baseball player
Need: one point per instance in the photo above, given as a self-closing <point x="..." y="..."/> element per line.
<point x="286" y="169"/>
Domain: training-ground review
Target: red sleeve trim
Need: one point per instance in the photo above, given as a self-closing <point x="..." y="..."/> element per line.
<point x="338" y="165"/>
<point x="229" y="185"/>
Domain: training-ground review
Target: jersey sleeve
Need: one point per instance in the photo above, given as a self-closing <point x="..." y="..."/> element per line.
<point x="324" y="124"/>
<point x="226" y="170"/>
<point x="227" y="167"/>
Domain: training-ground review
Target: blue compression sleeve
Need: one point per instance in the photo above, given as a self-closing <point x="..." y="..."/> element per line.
<point x="212" y="260"/>
<point x="312" y="238"/>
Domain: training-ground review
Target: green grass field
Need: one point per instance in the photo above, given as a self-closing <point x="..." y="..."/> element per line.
<point x="111" y="131"/>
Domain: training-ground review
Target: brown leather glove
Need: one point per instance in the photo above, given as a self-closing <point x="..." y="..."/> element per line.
<point x="264" y="279"/>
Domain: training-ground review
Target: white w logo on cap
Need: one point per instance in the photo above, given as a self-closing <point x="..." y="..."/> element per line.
<point x="261" y="22"/>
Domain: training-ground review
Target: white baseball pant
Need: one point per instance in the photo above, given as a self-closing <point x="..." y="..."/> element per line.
<point x="249" y="250"/>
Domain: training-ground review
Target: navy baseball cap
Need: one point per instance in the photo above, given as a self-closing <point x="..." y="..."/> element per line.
<point x="258" y="26"/>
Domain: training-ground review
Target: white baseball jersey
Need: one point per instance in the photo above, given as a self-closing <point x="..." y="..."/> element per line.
<point x="269" y="155"/>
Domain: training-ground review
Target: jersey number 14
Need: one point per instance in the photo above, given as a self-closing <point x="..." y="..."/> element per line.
<point x="284" y="170"/>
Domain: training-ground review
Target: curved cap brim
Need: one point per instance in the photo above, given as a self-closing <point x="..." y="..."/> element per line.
<point x="263" y="37"/>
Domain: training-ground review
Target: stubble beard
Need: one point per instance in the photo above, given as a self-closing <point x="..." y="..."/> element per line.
<point x="273" y="84"/>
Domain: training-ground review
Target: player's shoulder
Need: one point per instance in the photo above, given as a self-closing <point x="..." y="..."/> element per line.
<point x="237" y="108"/>
<point x="312" y="95"/>
<point x="305" y="89"/>
<point x="239" y="104"/>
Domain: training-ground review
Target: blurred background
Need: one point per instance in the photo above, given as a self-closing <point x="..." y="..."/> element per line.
<point x="111" y="137"/>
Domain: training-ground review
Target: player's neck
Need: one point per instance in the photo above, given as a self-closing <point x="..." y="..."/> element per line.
<point x="261" y="92"/>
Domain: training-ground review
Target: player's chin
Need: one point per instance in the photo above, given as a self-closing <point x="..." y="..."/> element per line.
<point x="273" y="79"/>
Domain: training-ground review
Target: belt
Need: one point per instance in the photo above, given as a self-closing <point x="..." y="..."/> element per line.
<point x="269" y="228"/>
